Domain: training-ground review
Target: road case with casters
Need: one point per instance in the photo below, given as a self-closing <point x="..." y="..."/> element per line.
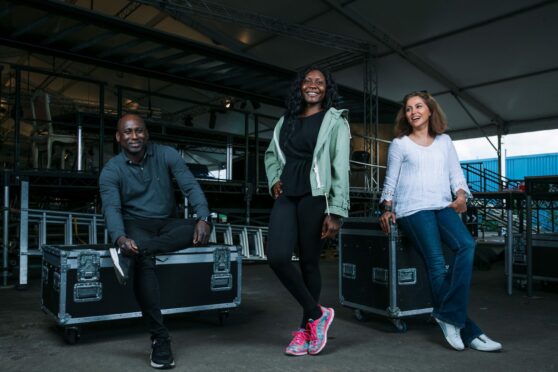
<point x="381" y="274"/>
<point x="545" y="256"/>
<point x="79" y="285"/>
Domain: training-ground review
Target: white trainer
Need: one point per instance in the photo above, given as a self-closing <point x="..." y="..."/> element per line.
<point x="483" y="343"/>
<point x="121" y="265"/>
<point x="452" y="334"/>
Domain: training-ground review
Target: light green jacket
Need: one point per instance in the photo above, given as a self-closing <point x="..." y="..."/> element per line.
<point x="330" y="167"/>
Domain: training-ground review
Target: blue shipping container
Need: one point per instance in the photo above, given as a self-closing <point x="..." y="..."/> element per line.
<point x="519" y="167"/>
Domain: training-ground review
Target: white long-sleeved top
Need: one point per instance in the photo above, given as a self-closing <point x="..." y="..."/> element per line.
<point x="422" y="177"/>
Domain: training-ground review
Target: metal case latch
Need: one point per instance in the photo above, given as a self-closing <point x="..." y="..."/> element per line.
<point x="88" y="263"/>
<point x="349" y="271"/>
<point x="88" y="292"/>
<point x="89" y="287"/>
<point x="407" y="276"/>
<point x="221" y="280"/>
<point x="380" y="276"/>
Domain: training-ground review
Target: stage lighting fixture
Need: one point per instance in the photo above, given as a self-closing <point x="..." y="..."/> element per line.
<point x="228" y="102"/>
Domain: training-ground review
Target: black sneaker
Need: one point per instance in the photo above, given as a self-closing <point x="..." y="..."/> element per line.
<point x="121" y="265"/>
<point x="161" y="354"/>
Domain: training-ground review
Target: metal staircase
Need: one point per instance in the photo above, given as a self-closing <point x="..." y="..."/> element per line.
<point x="492" y="198"/>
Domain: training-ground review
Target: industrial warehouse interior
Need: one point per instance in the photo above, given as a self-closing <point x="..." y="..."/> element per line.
<point x="210" y="81"/>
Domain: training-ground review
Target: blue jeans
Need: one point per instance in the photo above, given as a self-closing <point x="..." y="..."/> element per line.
<point x="427" y="230"/>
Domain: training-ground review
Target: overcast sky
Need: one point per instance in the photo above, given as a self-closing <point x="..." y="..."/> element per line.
<point x="530" y="143"/>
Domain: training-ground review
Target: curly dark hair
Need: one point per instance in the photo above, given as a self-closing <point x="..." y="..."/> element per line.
<point x="437" y="124"/>
<point x="295" y="102"/>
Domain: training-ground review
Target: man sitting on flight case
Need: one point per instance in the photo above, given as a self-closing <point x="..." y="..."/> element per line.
<point x="139" y="206"/>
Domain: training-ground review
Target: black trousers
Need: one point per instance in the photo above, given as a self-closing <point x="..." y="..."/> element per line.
<point x="154" y="236"/>
<point x="297" y="222"/>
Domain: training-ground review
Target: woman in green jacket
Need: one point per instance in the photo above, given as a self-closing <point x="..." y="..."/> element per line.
<point x="307" y="166"/>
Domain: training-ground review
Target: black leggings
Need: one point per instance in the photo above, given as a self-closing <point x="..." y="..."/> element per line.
<point x="297" y="221"/>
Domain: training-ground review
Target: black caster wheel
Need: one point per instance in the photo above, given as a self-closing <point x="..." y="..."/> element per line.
<point x="71" y="335"/>
<point x="400" y="325"/>
<point x="223" y="315"/>
<point x="361" y="315"/>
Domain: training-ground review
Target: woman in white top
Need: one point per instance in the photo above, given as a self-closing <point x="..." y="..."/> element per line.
<point x="423" y="174"/>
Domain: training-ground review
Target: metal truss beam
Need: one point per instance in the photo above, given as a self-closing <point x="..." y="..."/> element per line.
<point x="303" y="22"/>
<point x="188" y="20"/>
<point x="65" y="32"/>
<point x="127" y="10"/>
<point x="412" y="58"/>
<point x="118" y="27"/>
<point x="503" y="80"/>
<point x="93" y="41"/>
<point x="145" y="54"/>
<point x="172" y="57"/>
<point x="260" y="22"/>
<point x="31" y="26"/>
<point x="473" y="26"/>
<point x="123" y="13"/>
<point x="120" y="48"/>
<point x="341" y="61"/>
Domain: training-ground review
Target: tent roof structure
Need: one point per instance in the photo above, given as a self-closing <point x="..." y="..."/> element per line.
<point x="491" y="65"/>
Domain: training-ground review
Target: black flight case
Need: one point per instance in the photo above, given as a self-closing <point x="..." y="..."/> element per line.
<point x="381" y="274"/>
<point x="79" y="285"/>
<point x="545" y="256"/>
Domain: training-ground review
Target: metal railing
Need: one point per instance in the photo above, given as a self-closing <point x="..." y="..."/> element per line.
<point x="51" y="225"/>
<point x="252" y="239"/>
<point x="68" y="228"/>
<point x="481" y="179"/>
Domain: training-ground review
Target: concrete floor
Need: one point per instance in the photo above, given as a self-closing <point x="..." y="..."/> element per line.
<point x="254" y="336"/>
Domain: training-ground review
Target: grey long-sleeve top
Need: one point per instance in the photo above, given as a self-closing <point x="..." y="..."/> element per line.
<point x="145" y="190"/>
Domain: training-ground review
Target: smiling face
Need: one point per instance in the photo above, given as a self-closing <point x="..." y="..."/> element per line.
<point x="417" y="113"/>
<point x="132" y="136"/>
<point x="314" y="88"/>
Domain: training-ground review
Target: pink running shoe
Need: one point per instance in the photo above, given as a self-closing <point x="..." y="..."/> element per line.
<point x="318" y="330"/>
<point x="299" y="344"/>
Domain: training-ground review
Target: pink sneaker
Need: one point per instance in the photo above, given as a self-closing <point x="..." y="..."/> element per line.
<point x="299" y="344"/>
<point x="318" y="330"/>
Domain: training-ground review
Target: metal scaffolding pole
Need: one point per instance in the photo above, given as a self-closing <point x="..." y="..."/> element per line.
<point x="529" y="243"/>
<point x="499" y="153"/>
<point x="247" y="184"/>
<point x="5" y="227"/>
<point x="257" y="141"/>
<point x="509" y="247"/>
<point x="17" y="108"/>
<point x="24" y="234"/>
<point x="230" y="153"/>
<point x="101" y="125"/>
<point x="372" y="100"/>
<point x="115" y="147"/>
<point x="79" y="143"/>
